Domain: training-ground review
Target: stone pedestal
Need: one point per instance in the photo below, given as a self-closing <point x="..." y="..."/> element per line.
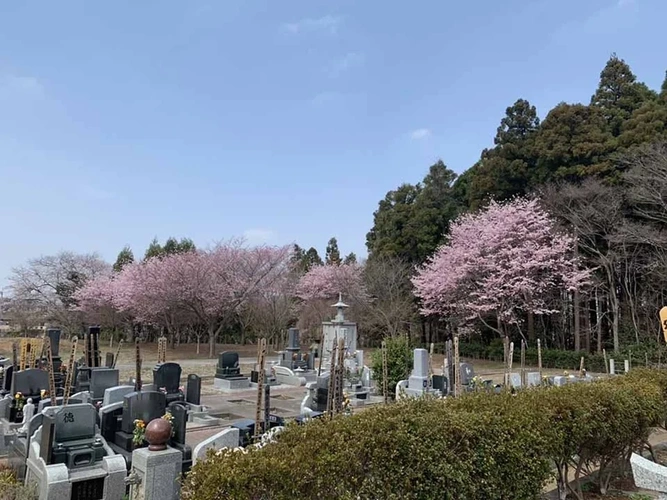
<point x="158" y="474"/>
<point x="232" y="383"/>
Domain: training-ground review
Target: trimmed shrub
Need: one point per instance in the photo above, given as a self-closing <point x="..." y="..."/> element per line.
<point x="561" y="359"/>
<point x="480" y="446"/>
<point x="399" y="363"/>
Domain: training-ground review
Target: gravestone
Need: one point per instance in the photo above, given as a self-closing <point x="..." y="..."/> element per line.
<point x="467" y="373"/>
<point x="417" y="384"/>
<point x="167" y="376"/>
<point x="533" y="379"/>
<point x="47" y="437"/>
<point x="292" y="357"/>
<point x="193" y="391"/>
<point x="515" y="380"/>
<point x="180" y="414"/>
<point x="54" y="338"/>
<point x="228" y="438"/>
<point x="108" y="362"/>
<point x="116" y="394"/>
<point x="144" y="406"/>
<point x="228" y="365"/>
<point x="7" y="381"/>
<point x="440" y="383"/>
<point x="102" y="379"/>
<point x="30" y="382"/>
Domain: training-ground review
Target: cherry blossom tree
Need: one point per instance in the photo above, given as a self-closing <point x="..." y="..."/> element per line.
<point x="328" y="280"/>
<point x="207" y="287"/>
<point x="318" y="289"/>
<point x="505" y="261"/>
<point x="49" y="283"/>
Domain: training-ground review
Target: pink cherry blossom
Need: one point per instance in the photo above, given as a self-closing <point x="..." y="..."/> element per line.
<point x="503" y="261"/>
<point x="327" y="281"/>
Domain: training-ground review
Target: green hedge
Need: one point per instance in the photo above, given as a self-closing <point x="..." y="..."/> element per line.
<point x="566" y="360"/>
<point x="480" y="446"/>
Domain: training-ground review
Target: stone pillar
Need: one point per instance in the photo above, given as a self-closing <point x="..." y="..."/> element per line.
<point x="156" y="470"/>
<point x="612" y="367"/>
<point x="158" y="474"/>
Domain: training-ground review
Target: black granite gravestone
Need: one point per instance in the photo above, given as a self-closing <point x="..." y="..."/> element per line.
<point x="30" y="382"/>
<point x="102" y="379"/>
<point x="142" y="406"/>
<point x="193" y="390"/>
<point x="76" y="446"/>
<point x="180" y="414"/>
<point x="108" y="362"/>
<point x="440" y="383"/>
<point x="228" y="365"/>
<point x="54" y="337"/>
<point x="167" y="376"/>
<point x="7" y="381"/>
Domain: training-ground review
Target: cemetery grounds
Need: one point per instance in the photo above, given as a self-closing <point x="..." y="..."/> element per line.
<point x="286" y="400"/>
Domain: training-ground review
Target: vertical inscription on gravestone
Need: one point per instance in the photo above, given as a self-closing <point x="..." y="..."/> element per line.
<point x="93" y="489"/>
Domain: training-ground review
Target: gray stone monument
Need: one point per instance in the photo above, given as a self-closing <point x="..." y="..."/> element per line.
<point x="649" y="475"/>
<point x="339" y="327"/>
<point x="227" y="438"/>
<point x="156" y="474"/>
<point x="417" y="384"/>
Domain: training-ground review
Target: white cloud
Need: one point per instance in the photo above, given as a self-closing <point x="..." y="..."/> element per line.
<point x="258" y="236"/>
<point x="420" y="134"/>
<point x="325" y="24"/>
<point x="345" y="63"/>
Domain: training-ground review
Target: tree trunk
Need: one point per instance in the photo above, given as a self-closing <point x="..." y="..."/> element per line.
<point x="531" y="326"/>
<point x="586" y="325"/>
<point x="211" y="341"/>
<point x="577" y="322"/>
<point x="598" y="321"/>
<point x="424" y="331"/>
<point x="615" y="311"/>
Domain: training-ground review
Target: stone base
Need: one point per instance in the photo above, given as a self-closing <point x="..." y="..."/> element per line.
<point x="231" y="384"/>
<point x="291" y="380"/>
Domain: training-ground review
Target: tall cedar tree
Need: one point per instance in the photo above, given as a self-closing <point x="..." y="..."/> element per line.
<point x="125" y="257"/>
<point x="411" y="221"/>
<point x="332" y="256"/>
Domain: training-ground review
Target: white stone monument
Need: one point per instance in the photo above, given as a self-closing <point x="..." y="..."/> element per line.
<point x="338" y="328"/>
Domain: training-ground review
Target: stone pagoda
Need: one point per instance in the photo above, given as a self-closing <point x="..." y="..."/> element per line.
<point x="339" y="327"/>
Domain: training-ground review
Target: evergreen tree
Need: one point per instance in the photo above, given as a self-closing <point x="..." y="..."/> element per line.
<point x="506" y="170"/>
<point x="153" y="250"/>
<point x="411" y="221"/>
<point x="646" y="125"/>
<point x="619" y="94"/>
<point x="311" y="259"/>
<point x="125" y="257"/>
<point x="663" y="90"/>
<point x="574" y="143"/>
<point x="350" y="258"/>
<point x="332" y="256"/>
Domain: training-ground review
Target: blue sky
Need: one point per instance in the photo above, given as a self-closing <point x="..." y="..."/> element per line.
<point x="281" y="120"/>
